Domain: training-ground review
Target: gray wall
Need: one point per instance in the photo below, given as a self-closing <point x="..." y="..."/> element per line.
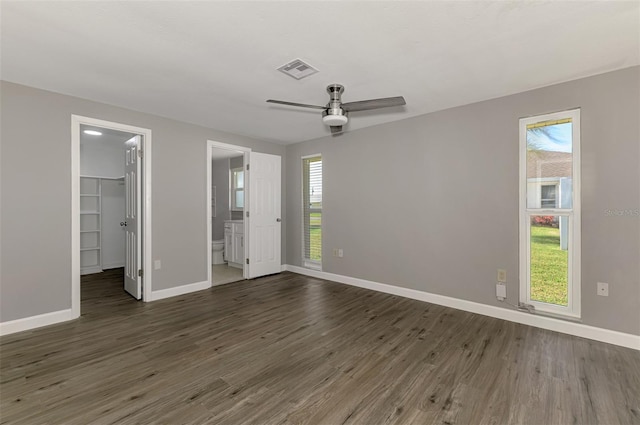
<point x="431" y="203"/>
<point x="220" y="179"/>
<point x="35" y="268"/>
<point x="102" y="156"/>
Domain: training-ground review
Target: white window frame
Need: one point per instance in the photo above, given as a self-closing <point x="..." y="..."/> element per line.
<point x="573" y="309"/>
<point x="307" y="262"/>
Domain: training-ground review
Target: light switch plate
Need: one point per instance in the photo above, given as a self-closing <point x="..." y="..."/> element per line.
<point x="502" y="275"/>
<point x="157" y="264"/>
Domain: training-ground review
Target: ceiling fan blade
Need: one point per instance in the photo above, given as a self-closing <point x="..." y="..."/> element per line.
<point x="336" y="129"/>
<point x="365" y="105"/>
<point x="301" y="105"/>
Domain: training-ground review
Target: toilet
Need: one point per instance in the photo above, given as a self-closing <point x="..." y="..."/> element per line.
<point x="217" y="251"/>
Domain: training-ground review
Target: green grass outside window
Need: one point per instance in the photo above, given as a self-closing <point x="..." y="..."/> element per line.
<point x="549" y="266"/>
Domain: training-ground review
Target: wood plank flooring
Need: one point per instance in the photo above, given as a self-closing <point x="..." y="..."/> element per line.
<point x="289" y="349"/>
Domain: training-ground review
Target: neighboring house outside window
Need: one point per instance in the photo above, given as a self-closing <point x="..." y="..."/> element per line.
<point x="549" y="179"/>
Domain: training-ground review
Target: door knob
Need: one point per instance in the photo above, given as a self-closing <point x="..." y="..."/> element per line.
<point x="123" y="223"/>
<point x="278" y="220"/>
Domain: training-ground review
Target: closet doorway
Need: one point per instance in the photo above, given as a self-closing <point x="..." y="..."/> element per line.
<point x="110" y="206"/>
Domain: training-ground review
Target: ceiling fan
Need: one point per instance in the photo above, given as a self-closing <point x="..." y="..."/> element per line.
<point x="335" y="113"/>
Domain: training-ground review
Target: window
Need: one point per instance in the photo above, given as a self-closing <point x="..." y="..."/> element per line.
<point x="312" y="211"/>
<point x="550" y="212"/>
<point x="237" y="189"/>
<point x="548" y="196"/>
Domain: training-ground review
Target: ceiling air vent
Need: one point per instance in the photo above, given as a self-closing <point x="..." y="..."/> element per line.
<point x="297" y="69"/>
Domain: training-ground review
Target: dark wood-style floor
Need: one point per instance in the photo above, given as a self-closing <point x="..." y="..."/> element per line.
<point x="289" y="349"/>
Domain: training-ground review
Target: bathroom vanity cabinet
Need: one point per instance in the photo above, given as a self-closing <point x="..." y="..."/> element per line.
<point x="234" y="243"/>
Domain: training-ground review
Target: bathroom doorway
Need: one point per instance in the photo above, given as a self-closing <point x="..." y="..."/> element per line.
<point x="227" y="205"/>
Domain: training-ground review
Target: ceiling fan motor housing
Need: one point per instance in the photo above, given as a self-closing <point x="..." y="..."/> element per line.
<point x="334" y="115"/>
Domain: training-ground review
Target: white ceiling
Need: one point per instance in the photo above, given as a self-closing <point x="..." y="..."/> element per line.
<point x="214" y="63"/>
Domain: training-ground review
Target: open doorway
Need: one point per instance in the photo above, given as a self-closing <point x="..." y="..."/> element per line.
<point x="110" y="214"/>
<point x="102" y="199"/>
<point x="252" y="217"/>
<point x="228" y="196"/>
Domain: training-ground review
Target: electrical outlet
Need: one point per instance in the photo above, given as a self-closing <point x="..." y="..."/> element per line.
<point x="501" y="291"/>
<point x="603" y="289"/>
<point x="340" y="253"/>
<point x="502" y="275"/>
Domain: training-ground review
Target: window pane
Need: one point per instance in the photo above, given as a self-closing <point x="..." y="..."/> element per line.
<point x="315" y="184"/>
<point x="239" y="179"/>
<point x="549" y="260"/>
<point x="549" y="164"/>
<point x="315" y="236"/>
<point x="239" y="199"/>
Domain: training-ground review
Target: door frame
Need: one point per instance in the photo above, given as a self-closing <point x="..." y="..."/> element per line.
<point x="76" y="122"/>
<point x="247" y="237"/>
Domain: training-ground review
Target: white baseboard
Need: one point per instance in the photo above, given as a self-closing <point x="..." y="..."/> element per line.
<point x="32" y="322"/>
<point x="112" y="266"/>
<point x="571" y="328"/>
<point x="179" y="290"/>
<point x="90" y="270"/>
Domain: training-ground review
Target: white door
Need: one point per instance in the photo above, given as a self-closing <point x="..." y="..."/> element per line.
<point x="264" y="215"/>
<point x="113" y="213"/>
<point x="132" y="223"/>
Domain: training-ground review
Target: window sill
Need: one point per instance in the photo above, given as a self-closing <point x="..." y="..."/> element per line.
<point x="539" y="310"/>
<point x="313" y="265"/>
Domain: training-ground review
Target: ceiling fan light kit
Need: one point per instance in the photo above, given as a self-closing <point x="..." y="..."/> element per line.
<point x="334" y="119"/>
<point x="334" y="113"/>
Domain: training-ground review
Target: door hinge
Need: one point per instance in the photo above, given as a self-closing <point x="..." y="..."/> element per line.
<point x="140" y="273"/>
<point x="247" y="214"/>
<point x="247" y="261"/>
<point x="247" y="167"/>
<point x="139" y="153"/>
